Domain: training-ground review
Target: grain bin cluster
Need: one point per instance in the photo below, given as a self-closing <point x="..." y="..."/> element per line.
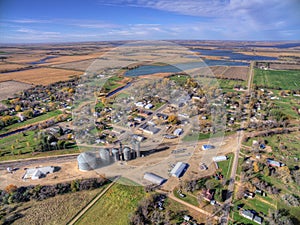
<point x="91" y="160"/>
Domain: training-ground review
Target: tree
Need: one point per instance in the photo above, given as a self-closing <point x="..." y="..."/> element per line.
<point x="173" y="119"/>
<point x="11" y="188"/>
<point x="18" y="108"/>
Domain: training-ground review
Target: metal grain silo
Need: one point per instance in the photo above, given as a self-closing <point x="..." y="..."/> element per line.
<point x="87" y="161"/>
<point x="115" y="154"/>
<point x="104" y="154"/>
<point x="127" y="154"/>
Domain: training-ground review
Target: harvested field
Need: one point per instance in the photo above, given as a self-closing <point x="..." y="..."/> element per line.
<point x="236" y="72"/>
<point x="42" y="76"/>
<point x="9" y="88"/>
<point x="218" y="70"/>
<point x="56" y="210"/>
<point x="6" y="67"/>
<point x="78" y="65"/>
<point x="72" y="58"/>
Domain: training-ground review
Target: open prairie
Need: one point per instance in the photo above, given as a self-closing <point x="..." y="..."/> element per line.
<point x="38" y="76"/>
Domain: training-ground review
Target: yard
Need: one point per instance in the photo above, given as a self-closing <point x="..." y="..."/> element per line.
<point x="225" y="166"/>
<point x="40" y="118"/>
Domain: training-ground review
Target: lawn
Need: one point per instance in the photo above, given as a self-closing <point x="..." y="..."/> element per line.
<point x="45" y="116"/>
<point x="179" y="79"/>
<point x="226" y="166"/>
<point x="188" y="198"/>
<point x="56" y="210"/>
<point x="115" y="207"/>
<point x="277" y="79"/>
<point x="195" y="136"/>
<point x="23" y="147"/>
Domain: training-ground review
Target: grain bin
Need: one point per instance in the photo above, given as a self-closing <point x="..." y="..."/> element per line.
<point x="115" y="154"/>
<point x="127" y="154"/>
<point x="87" y="161"/>
<point x="104" y="154"/>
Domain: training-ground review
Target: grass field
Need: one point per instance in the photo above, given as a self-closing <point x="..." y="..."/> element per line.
<point x="57" y="210"/>
<point x="115" y="207"/>
<point x="277" y="79"/>
<point x="188" y="198"/>
<point x="226" y="166"/>
<point x="40" y="118"/>
<point x="229" y="84"/>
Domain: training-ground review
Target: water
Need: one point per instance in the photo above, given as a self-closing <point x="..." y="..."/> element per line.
<point x="151" y="69"/>
<point x="285" y="45"/>
<point x="233" y="55"/>
<point x="41" y="61"/>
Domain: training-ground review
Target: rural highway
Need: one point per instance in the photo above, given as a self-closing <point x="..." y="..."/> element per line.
<point x="26" y="162"/>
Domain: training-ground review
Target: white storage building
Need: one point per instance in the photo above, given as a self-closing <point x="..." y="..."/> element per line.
<point x="153" y="178"/>
<point x="219" y="158"/>
<point x="178" y="169"/>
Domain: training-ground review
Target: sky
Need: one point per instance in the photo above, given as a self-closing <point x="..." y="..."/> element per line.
<point x="44" y="21"/>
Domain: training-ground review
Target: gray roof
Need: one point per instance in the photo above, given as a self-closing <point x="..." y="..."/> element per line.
<point x="153" y="178"/>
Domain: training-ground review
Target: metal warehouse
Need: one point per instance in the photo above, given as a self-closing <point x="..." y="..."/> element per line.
<point x="219" y="158"/>
<point x="153" y="178"/>
<point x="178" y="169"/>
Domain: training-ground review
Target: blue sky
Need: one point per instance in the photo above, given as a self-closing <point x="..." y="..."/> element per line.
<point x="34" y="21"/>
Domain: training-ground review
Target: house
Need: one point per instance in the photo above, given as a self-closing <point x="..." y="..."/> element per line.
<point x="178" y="132"/>
<point x="274" y="163"/>
<point x="207" y="147"/>
<point x="163" y="116"/>
<point x="149" y="106"/>
<point x="139" y="104"/>
<point x="258" y="219"/>
<point x="247" y="214"/>
<point x="187" y="217"/>
<point x="179" y="169"/>
<point x="207" y="195"/>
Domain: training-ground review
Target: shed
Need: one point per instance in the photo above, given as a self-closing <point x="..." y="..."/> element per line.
<point x="153" y="178"/>
<point x="219" y="158"/>
<point x="207" y="147"/>
<point x="178" y="169"/>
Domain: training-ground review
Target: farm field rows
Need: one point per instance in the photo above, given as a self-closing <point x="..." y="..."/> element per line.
<point x="277" y="79"/>
<point x="38" y="76"/>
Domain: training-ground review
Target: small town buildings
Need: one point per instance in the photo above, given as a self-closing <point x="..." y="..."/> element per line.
<point x="247" y="214"/>
<point x="179" y="169"/>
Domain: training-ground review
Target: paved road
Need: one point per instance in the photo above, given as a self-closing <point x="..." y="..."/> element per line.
<point x="25" y="162"/>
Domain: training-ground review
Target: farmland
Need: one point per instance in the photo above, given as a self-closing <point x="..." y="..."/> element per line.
<point x="277" y="79"/>
<point x="9" y="88"/>
<point x="38" y="76"/>
<point x="56" y="210"/>
<point x="115" y="206"/>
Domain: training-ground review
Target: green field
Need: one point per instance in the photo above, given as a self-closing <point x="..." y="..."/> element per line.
<point x="188" y="198"/>
<point x="226" y="166"/>
<point x="45" y="116"/>
<point x="277" y="79"/>
<point x="229" y="84"/>
<point x="115" y="207"/>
